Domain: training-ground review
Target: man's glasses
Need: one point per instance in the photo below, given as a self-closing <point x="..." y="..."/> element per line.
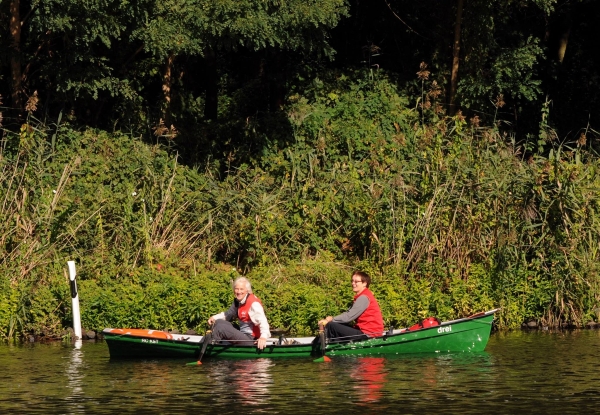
<point x="356" y="281"/>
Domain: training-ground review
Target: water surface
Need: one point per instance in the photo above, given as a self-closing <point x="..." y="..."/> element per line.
<point x="520" y="372"/>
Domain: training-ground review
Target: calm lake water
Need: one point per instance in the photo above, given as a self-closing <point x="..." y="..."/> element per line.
<point x="520" y="372"/>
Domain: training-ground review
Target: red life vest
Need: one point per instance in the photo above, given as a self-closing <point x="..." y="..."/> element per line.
<point x="370" y="322"/>
<point x="244" y="313"/>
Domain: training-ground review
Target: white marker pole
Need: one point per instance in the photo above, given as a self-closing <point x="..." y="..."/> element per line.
<point x="75" y="301"/>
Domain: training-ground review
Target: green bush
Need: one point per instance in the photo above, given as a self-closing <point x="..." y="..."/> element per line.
<point x="448" y="216"/>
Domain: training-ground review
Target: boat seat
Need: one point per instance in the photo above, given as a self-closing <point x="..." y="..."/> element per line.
<point x="282" y="341"/>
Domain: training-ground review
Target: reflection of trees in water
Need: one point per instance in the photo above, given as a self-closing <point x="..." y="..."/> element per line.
<point x="250" y="380"/>
<point x="143" y="382"/>
<point x="430" y="373"/>
<point x="452" y="368"/>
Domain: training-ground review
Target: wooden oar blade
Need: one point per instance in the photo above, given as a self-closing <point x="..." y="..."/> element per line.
<point x="322" y="359"/>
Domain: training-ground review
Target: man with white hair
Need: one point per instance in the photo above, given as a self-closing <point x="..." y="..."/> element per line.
<point x="248" y="310"/>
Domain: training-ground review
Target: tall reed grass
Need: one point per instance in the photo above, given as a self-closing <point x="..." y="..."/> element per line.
<point x="450" y="217"/>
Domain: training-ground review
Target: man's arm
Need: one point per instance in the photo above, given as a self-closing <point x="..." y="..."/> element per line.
<point x="258" y="317"/>
<point x="228" y="315"/>
<point x="359" y="307"/>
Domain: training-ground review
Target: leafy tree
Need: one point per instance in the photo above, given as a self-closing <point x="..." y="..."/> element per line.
<point x="572" y="76"/>
<point x="65" y="51"/>
<point x="491" y="56"/>
<point x="116" y="50"/>
<point x="502" y="44"/>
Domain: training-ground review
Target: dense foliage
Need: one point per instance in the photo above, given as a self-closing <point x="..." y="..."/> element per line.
<point x="449" y="148"/>
<point x="449" y="217"/>
<point x="174" y="68"/>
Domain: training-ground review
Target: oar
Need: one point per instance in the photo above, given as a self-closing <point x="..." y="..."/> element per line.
<point x="323" y="358"/>
<point x="205" y="341"/>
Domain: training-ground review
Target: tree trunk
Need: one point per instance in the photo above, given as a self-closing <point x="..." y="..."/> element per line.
<point x="166" y="89"/>
<point x="15" y="55"/>
<point x="557" y="38"/>
<point x="455" y="59"/>
<point x="211" y="102"/>
<point x="563" y="29"/>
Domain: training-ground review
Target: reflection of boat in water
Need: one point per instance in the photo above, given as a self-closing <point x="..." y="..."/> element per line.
<point x="468" y="334"/>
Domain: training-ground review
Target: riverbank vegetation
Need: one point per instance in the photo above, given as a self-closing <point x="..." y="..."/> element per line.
<point x="449" y="217"/>
<point x="448" y="149"/>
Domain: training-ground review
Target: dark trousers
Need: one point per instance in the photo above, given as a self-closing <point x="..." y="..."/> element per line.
<point x="224" y="330"/>
<point x="338" y="332"/>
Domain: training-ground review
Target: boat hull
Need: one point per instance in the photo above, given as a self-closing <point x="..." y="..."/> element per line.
<point x="463" y="335"/>
<point x="126" y="347"/>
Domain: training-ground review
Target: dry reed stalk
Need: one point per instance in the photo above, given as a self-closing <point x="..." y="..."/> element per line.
<point x="165" y="200"/>
<point x="64" y="178"/>
<point x="422" y="231"/>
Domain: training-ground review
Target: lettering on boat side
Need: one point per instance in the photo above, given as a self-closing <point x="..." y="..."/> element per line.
<point x="149" y="341"/>
<point x="445" y="329"/>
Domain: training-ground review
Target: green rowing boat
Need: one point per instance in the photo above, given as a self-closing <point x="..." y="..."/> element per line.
<point x="468" y="334"/>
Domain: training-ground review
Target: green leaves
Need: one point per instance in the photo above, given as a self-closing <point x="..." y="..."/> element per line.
<point x="446" y="212"/>
<point x="500" y="57"/>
